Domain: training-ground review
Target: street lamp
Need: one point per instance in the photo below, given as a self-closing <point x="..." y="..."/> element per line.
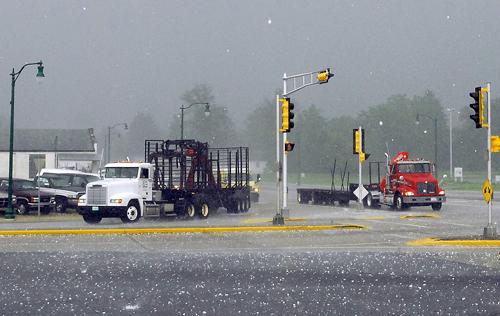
<point x="9" y="213"/>
<point x="207" y="113"/>
<point x="125" y="127"/>
<point x="435" y="137"/>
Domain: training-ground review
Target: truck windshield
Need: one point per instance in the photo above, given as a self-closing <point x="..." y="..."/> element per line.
<point x="121" y="172"/>
<point x="414" y="168"/>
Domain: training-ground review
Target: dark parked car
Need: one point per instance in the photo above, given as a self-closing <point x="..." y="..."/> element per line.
<point x="27" y="196"/>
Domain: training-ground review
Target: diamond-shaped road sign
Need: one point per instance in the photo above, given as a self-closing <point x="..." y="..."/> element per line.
<point x="487" y="191"/>
<point x="364" y="192"/>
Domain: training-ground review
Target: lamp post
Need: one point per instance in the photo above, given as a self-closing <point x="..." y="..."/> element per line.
<point x="9" y="213"/>
<point x="207" y="113"/>
<point x="435" y="137"/>
<point x="125" y="127"/>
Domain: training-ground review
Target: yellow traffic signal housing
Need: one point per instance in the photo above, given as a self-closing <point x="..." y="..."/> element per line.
<point x="357" y="142"/>
<point x="286" y="115"/>
<point x="495" y="144"/>
<point x="481" y="108"/>
<point x="362" y="156"/>
<point x="478" y="107"/>
<point x="324" y="75"/>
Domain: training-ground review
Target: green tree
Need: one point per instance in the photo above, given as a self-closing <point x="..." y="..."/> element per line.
<point x="259" y="132"/>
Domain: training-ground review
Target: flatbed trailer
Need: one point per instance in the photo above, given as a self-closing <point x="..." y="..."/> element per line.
<point x="330" y="196"/>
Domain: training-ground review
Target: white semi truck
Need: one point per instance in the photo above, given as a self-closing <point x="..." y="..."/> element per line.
<point x="181" y="178"/>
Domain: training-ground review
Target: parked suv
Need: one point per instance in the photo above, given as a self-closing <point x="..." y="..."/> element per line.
<point x="26" y="194"/>
<point x="65" y="185"/>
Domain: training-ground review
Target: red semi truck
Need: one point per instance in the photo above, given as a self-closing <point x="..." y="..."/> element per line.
<point x="411" y="183"/>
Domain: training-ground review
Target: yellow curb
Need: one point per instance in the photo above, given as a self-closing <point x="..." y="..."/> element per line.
<point x="419" y="216"/>
<point x="265" y="220"/>
<point x="177" y="230"/>
<point x="454" y="242"/>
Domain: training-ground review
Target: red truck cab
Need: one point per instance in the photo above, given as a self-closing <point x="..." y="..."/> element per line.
<point x="411" y="184"/>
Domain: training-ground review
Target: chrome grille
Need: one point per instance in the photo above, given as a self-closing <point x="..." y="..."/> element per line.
<point x="426" y="188"/>
<point x="96" y="195"/>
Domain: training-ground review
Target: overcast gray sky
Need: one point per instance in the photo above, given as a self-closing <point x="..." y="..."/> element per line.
<point x="106" y="60"/>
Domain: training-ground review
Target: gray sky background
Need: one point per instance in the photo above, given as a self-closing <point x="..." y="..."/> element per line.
<point x="106" y="60"/>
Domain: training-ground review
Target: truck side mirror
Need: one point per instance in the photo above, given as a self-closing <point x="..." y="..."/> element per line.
<point x="258" y="177"/>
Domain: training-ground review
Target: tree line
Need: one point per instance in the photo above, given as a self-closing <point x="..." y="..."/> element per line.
<point x="320" y="139"/>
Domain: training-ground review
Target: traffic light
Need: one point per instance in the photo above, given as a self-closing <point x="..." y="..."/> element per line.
<point x="495" y="144"/>
<point x="358" y="143"/>
<point x="289" y="146"/>
<point x="324" y="76"/>
<point x="286" y="115"/>
<point x="356" y="149"/>
<point x="478" y="107"/>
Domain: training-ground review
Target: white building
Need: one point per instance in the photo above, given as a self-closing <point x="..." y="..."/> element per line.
<point x="35" y="149"/>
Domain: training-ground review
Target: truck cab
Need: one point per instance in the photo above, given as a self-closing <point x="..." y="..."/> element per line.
<point x="411" y="183"/>
<point x="122" y="193"/>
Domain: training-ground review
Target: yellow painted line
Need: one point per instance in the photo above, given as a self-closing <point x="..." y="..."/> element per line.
<point x="410" y="216"/>
<point x="178" y="230"/>
<point x="454" y="242"/>
<point x="373" y="217"/>
<point x="269" y="220"/>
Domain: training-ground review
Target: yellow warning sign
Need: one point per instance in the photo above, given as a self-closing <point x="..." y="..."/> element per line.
<point x="487" y="191"/>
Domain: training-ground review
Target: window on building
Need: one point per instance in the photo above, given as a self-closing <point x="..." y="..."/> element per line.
<point x="37" y="163"/>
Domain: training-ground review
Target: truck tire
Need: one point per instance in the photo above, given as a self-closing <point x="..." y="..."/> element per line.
<point x="436" y="206"/>
<point x="370" y="202"/>
<point x="190" y="210"/>
<point x="203" y="209"/>
<point x="92" y="219"/>
<point x="132" y="213"/>
<point x="61" y="205"/>
<point x="398" y="203"/>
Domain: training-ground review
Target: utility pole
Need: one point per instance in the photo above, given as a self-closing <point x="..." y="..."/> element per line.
<point x="490" y="231"/>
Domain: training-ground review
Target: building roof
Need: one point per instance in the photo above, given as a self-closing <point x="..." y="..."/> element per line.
<point x="50" y="140"/>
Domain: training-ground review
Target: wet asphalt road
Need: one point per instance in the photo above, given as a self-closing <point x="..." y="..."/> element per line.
<point x="363" y="272"/>
<point x="246" y="283"/>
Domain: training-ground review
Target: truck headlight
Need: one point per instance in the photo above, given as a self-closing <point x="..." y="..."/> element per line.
<point x="81" y="201"/>
<point x="117" y="201"/>
<point x="33" y="199"/>
<point x="409" y="193"/>
<point x="441" y="192"/>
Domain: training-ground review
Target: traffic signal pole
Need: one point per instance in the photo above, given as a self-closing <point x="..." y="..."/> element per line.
<point x="284" y="210"/>
<point x="278" y="218"/>
<point x="297" y="82"/>
<point x="490" y="230"/>
<point x="360" y="169"/>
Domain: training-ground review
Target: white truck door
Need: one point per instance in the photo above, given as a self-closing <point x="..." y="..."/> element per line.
<point x="146" y="184"/>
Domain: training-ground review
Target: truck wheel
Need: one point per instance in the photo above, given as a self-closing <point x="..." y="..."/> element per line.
<point x="132" y="213"/>
<point x="61" y="205"/>
<point x="190" y="210"/>
<point x="204" y="210"/>
<point x="22" y="208"/>
<point x="436" y="206"/>
<point x="92" y="219"/>
<point x="399" y="203"/>
<point x="370" y="202"/>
